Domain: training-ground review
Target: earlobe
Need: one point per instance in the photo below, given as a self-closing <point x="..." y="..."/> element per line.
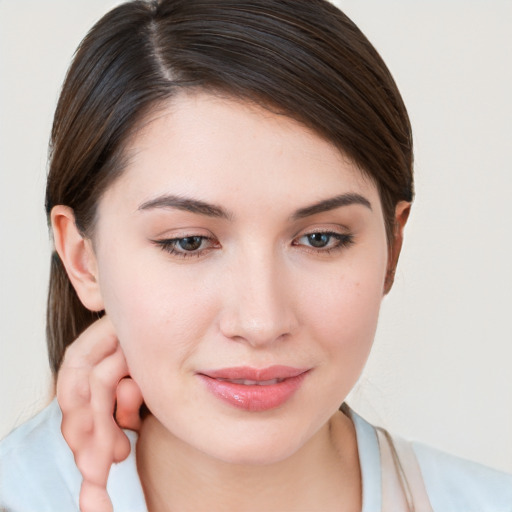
<point x="77" y="255"/>
<point x="402" y="210"/>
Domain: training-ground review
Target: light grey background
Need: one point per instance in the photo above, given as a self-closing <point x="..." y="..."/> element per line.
<point x="441" y="368"/>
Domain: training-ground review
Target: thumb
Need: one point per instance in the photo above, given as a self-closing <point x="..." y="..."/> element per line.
<point x="129" y="401"/>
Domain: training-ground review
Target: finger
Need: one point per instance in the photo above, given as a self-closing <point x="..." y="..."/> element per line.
<point x="86" y="387"/>
<point x="122" y="447"/>
<point x="94" y="461"/>
<point x="80" y="421"/>
<point x="73" y="388"/>
<point x="77" y="428"/>
<point x="94" y="498"/>
<point x="97" y="342"/>
<point x="97" y="452"/>
<point x="104" y="380"/>
<point x="129" y="401"/>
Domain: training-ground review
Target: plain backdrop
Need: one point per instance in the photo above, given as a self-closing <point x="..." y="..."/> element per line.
<point x="441" y="368"/>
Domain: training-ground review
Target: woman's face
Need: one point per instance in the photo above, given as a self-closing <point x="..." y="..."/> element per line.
<point x="237" y="241"/>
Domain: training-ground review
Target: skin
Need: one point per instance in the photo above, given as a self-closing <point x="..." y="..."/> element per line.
<point x="256" y="292"/>
<point x="91" y="381"/>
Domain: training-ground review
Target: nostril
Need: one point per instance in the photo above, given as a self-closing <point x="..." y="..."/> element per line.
<point x="242" y="327"/>
<point x="257" y="307"/>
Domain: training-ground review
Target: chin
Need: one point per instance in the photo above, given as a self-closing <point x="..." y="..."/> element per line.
<point x="257" y="441"/>
<point x="254" y="440"/>
<point x="254" y="453"/>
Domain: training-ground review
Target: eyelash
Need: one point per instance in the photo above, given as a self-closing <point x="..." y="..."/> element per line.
<point x="169" y="245"/>
<point x="342" y="241"/>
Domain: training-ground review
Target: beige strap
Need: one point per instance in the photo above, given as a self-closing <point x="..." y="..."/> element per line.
<point x="403" y="488"/>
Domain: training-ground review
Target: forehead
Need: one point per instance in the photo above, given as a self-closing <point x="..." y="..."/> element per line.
<point x="220" y="148"/>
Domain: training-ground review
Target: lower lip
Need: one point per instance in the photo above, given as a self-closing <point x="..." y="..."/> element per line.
<point x="254" y="398"/>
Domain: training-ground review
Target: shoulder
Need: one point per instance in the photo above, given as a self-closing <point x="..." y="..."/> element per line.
<point x="36" y="467"/>
<point x="38" y="471"/>
<point x="455" y="484"/>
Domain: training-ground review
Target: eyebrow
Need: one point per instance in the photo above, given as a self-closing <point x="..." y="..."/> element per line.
<point x="187" y="204"/>
<point x="331" y="204"/>
<point x="211" y="210"/>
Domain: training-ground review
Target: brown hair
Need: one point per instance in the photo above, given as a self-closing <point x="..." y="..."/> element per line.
<point x="303" y="58"/>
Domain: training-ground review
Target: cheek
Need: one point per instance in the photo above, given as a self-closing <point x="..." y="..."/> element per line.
<point x="346" y="325"/>
<point x="346" y="298"/>
<point x="155" y="313"/>
<point x="346" y="319"/>
<point x="343" y="314"/>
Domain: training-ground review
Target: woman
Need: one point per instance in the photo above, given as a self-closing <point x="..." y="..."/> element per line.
<point x="229" y="183"/>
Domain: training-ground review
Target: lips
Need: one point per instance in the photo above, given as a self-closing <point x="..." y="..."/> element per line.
<point x="254" y="389"/>
<point x="247" y="382"/>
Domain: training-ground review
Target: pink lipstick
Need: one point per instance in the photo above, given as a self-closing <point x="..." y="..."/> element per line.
<point x="254" y="389"/>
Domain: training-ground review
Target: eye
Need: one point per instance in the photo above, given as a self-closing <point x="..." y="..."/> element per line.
<point x="187" y="246"/>
<point x="189" y="243"/>
<point x="319" y="240"/>
<point x="325" y="241"/>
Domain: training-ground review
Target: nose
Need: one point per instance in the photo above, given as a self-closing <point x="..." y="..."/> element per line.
<point x="258" y="304"/>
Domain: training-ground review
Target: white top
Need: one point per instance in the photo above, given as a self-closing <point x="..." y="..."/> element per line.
<point x="38" y="474"/>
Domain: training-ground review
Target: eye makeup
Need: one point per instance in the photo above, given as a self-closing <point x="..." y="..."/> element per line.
<point x="317" y="242"/>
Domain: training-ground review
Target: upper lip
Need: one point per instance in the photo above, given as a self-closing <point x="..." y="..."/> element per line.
<point x="255" y="374"/>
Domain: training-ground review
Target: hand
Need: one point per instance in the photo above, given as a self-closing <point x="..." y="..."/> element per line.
<point x="93" y="374"/>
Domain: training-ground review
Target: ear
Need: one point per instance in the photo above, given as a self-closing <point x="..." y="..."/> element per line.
<point x="402" y="210"/>
<point x="77" y="255"/>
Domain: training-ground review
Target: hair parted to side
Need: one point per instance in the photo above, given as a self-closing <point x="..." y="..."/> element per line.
<point x="302" y="58"/>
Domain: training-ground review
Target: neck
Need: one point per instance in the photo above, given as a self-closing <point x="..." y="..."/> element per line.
<point x="323" y="474"/>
